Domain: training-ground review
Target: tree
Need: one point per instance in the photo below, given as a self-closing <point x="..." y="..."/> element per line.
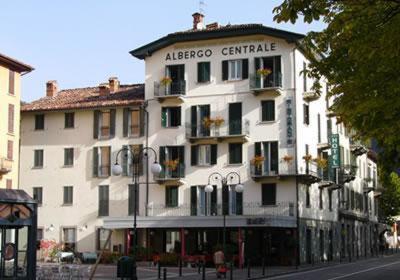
<point x="359" y="54"/>
<point x="390" y="199"/>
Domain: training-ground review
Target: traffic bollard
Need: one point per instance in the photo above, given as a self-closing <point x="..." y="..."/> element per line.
<point x="180" y="267"/>
<point x="248" y="269"/>
<point x="203" y="277"/>
<point x="165" y="274"/>
<point x="159" y="270"/>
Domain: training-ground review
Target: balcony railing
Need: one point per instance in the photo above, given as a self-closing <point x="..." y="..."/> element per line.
<point x="5" y="166"/>
<point x="327" y="175"/>
<point x="270" y="82"/>
<point x="357" y="148"/>
<point x="169" y="173"/>
<point x="311" y="95"/>
<point x="229" y="129"/>
<point x="347" y="173"/>
<point x="175" y="88"/>
<point x="280" y="209"/>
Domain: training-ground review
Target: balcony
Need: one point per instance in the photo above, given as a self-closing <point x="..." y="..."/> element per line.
<point x="347" y="173"/>
<point x="271" y="84"/>
<point x="330" y="113"/>
<point x="357" y="148"/>
<point x="311" y="96"/>
<point x="323" y="146"/>
<point x="5" y="166"/>
<point x="367" y="185"/>
<point x="174" y="91"/>
<point x="171" y="176"/>
<point x="234" y="131"/>
<point x="280" y="209"/>
<point x="307" y="176"/>
<point x="328" y="178"/>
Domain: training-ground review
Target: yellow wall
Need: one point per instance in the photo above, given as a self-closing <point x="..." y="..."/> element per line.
<point x="5" y="99"/>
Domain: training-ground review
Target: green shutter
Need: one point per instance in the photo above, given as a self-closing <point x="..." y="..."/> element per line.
<point x="164" y="117"/>
<point x="95" y="162"/>
<point x="214" y="154"/>
<point x="112" y="123"/>
<point x="207" y="72"/>
<point x="96" y="115"/>
<point x="270" y="110"/>
<point x="193" y="200"/>
<point x="125" y="122"/>
<point x="193" y="113"/>
<point x="225" y="70"/>
<point x="193" y="155"/>
<point x="142" y="121"/>
<point x="200" y="72"/>
<point x="162" y="160"/>
<point x="245" y="68"/>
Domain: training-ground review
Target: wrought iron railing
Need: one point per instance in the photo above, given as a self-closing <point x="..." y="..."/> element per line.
<point x="229" y="128"/>
<point x="274" y="80"/>
<point x="274" y="168"/>
<point x="171" y="173"/>
<point x="279" y="209"/>
<point x="171" y="89"/>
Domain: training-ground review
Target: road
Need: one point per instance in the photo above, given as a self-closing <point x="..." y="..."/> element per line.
<point x="386" y="268"/>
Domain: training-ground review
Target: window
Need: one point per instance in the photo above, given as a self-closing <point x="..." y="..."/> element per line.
<point x="133" y="122"/>
<point x="268" y="150"/>
<point x="68" y="195"/>
<point x="10" y="149"/>
<point x="273" y="79"/>
<point x="203" y="72"/>
<point x="268" y="194"/>
<point x="101" y="161"/>
<point x="8" y="184"/>
<point x="39" y="122"/>
<point x="171" y="196"/>
<point x="198" y="113"/>
<point x="235" y="69"/>
<point x="103" y="200"/>
<point x="267" y="110"/>
<point x="308" y="202"/>
<point x="69" y="120"/>
<point x="104" y="124"/>
<point x="203" y="203"/>
<point x="235" y="153"/>
<point x="170" y="116"/>
<point x="68" y="156"/>
<point x="39" y="237"/>
<point x="306" y="114"/>
<point x="69" y="239"/>
<point x="204" y="155"/>
<point x="101" y="239"/>
<point x="11" y="82"/>
<point x="38" y="194"/>
<point x="10" y="118"/>
<point x="38" y="159"/>
<point x="177" y="75"/>
<point x="132" y="202"/>
<point x="172" y="160"/>
<point x="321" y="199"/>
<point x="127" y="164"/>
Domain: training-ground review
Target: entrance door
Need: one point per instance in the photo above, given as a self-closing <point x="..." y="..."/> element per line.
<point x="308" y="245"/>
<point x="235" y="118"/>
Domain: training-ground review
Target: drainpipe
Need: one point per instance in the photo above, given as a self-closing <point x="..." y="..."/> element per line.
<point x="145" y="104"/>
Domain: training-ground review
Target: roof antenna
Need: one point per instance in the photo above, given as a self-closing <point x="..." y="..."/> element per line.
<point x="202" y="5"/>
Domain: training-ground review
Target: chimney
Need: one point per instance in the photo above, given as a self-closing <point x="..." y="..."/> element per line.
<point x="104" y="89"/>
<point x="113" y="84"/>
<point x="51" y="88"/>
<point x="198" y="21"/>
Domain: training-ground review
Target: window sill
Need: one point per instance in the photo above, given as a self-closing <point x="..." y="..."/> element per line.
<point x="37" y="167"/>
<point x="10" y="94"/>
<point x="234" y="80"/>
<point x="266" y="122"/>
<point x="203" y="83"/>
<point x="234" y="164"/>
<point x="134" y="136"/>
<point x="268" y="205"/>
<point x="102" y="176"/>
<point x="66" y="204"/>
<point x="11" y="134"/>
<point x="171" y="207"/>
<point x="67" y="166"/>
<point x="203" y="165"/>
<point x="38" y="129"/>
<point x="69" y="128"/>
<point x="172" y="127"/>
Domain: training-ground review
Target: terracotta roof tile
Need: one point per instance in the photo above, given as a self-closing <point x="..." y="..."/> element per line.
<point x="84" y="98"/>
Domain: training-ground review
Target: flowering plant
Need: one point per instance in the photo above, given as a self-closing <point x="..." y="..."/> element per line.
<point x="166" y="81"/>
<point x="257" y="160"/>
<point x="263" y="72"/>
<point x="218" y="121"/>
<point x="207" y="122"/>
<point x="307" y="158"/>
<point x="172" y="164"/>
<point x="321" y="162"/>
<point x="287" y="158"/>
<point x="50" y="248"/>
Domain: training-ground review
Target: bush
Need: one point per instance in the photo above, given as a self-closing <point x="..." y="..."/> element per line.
<point x="109" y="257"/>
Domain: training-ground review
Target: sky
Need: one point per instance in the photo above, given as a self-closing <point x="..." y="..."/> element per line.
<point x="82" y="43"/>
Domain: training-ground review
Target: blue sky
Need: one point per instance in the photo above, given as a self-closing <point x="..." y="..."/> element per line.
<point x="81" y="43"/>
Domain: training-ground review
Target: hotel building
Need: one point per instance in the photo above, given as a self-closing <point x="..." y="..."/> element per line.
<point x="229" y="99"/>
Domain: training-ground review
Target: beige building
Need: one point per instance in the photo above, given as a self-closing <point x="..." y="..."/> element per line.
<point x="11" y="71"/>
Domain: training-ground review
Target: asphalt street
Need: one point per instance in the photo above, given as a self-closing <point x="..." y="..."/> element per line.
<point x="385" y="268"/>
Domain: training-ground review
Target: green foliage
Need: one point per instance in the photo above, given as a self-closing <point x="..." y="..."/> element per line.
<point x="390" y="199"/>
<point x="358" y="52"/>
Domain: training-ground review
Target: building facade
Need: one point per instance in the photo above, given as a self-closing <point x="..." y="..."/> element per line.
<point x="11" y="71"/>
<point x="232" y="100"/>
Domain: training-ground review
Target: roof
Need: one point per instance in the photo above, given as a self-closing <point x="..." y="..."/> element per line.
<point x="15" y="196"/>
<point x="85" y="98"/>
<point x="214" y="33"/>
<point x="14" y="64"/>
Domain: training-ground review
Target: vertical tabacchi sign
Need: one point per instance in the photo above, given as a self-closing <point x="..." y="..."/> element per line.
<point x="335" y="151"/>
<point x="289" y="122"/>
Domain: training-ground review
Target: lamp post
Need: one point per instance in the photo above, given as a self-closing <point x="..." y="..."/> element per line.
<point x="224" y="180"/>
<point x="117" y="170"/>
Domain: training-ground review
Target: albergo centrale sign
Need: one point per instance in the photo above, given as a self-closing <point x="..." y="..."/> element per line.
<point x="225" y="51"/>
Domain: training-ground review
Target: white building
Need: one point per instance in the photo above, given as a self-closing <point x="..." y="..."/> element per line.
<point x="218" y="99"/>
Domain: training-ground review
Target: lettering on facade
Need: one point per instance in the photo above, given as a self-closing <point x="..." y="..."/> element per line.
<point x="289" y="122"/>
<point x="226" y="51"/>
<point x="335" y="150"/>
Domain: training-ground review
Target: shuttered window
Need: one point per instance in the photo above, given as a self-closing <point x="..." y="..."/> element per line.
<point x="68" y="156"/>
<point x="39" y="122"/>
<point x="170" y="116"/>
<point x="11" y="82"/>
<point x="10" y="149"/>
<point x="204" y="155"/>
<point x="104" y="124"/>
<point x="235" y="153"/>
<point x="68" y="195"/>
<point x="268" y="194"/>
<point x="38" y="159"/>
<point x="171" y="196"/>
<point x="37" y="194"/>
<point x="11" y="116"/>
<point x="203" y="72"/>
<point x="133" y="122"/>
<point x="101" y="238"/>
<point x="267" y="110"/>
<point x="235" y="69"/>
<point x="69" y="120"/>
<point x="103" y="200"/>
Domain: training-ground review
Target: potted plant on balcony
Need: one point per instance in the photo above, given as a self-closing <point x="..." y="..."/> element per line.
<point x="165" y="81"/>
<point x="207" y="122"/>
<point x="218" y="121"/>
<point x="288" y="159"/>
<point x="263" y="72"/>
<point x="307" y="158"/>
<point x="321" y="162"/>
<point x="257" y="162"/>
<point x="172" y="164"/>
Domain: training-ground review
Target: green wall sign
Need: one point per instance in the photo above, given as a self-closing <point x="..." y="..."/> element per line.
<point x="335" y="150"/>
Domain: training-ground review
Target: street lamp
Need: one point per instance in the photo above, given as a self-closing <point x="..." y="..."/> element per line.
<point x="117" y="170"/>
<point x="224" y="180"/>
